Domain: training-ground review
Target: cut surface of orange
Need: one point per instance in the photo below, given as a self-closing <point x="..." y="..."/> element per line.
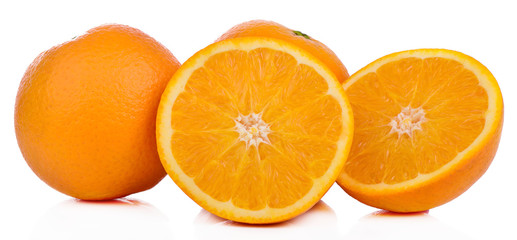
<point x="254" y="129"/>
<point x="427" y="126"/>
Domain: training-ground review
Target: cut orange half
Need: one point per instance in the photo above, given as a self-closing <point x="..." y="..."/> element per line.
<point x="254" y="130"/>
<point x="427" y="126"/>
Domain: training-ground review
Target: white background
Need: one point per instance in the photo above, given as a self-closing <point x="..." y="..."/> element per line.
<point x="358" y="32"/>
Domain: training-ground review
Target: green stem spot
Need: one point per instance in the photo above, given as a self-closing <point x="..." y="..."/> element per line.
<point x="298" y="33"/>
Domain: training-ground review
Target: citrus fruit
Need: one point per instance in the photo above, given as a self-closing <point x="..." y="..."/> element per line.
<point x="427" y="126"/>
<point x="262" y="28"/>
<point x="85" y="113"/>
<point x="254" y="129"/>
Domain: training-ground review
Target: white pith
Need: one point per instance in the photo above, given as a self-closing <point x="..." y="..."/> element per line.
<point x="252" y="129"/>
<point x="407" y="121"/>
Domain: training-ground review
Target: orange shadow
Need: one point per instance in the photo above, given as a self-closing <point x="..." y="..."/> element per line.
<point x="386" y="213"/>
<point x="119" y="201"/>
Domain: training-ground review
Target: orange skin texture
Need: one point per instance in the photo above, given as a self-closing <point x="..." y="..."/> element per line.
<point x="440" y="190"/>
<point x="262" y="28"/>
<point x="85" y="113"/>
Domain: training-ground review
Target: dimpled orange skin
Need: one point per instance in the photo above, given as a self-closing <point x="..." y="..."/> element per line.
<point x="86" y="109"/>
<point x="262" y="28"/>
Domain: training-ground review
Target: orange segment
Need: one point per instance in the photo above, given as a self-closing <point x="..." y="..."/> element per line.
<point x="235" y="84"/>
<point x="268" y="83"/>
<point x="247" y="195"/>
<point x="195" y="150"/>
<point x="427" y="126"/>
<point x="287" y="182"/>
<point x="314" y="154"/>
<point x="214" y="93"/>
<point x="254" y="130"/>
<point x="318" y="118"/>
<point x="195" y="114"/>
<point x="397" y="79"/>
<point x="288" y="98"/>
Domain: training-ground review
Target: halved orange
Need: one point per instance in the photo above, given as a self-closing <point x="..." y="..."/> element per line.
<point x="427" y="126"/>
<point x="254" y="129"/>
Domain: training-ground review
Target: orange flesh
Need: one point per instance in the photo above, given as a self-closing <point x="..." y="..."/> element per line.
<point x="302" y="137"/>
<point x="454" y="105"/>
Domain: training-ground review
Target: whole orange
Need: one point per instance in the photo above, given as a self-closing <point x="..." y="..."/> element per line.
<point x="86" y="109"/>
<point x="262" y="28"/>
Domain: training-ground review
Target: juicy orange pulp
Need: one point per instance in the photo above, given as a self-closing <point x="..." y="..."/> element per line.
<point x="442" y="113"/>
<point x="427" y="125"/>
<point x="258" y="130"/>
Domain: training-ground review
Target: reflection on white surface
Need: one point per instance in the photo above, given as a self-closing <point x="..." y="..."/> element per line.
<point x="320" y="222"/>
<point x="116" y="219"/>
<point x="387" y="225"/>
<point x="133" y="219"/>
